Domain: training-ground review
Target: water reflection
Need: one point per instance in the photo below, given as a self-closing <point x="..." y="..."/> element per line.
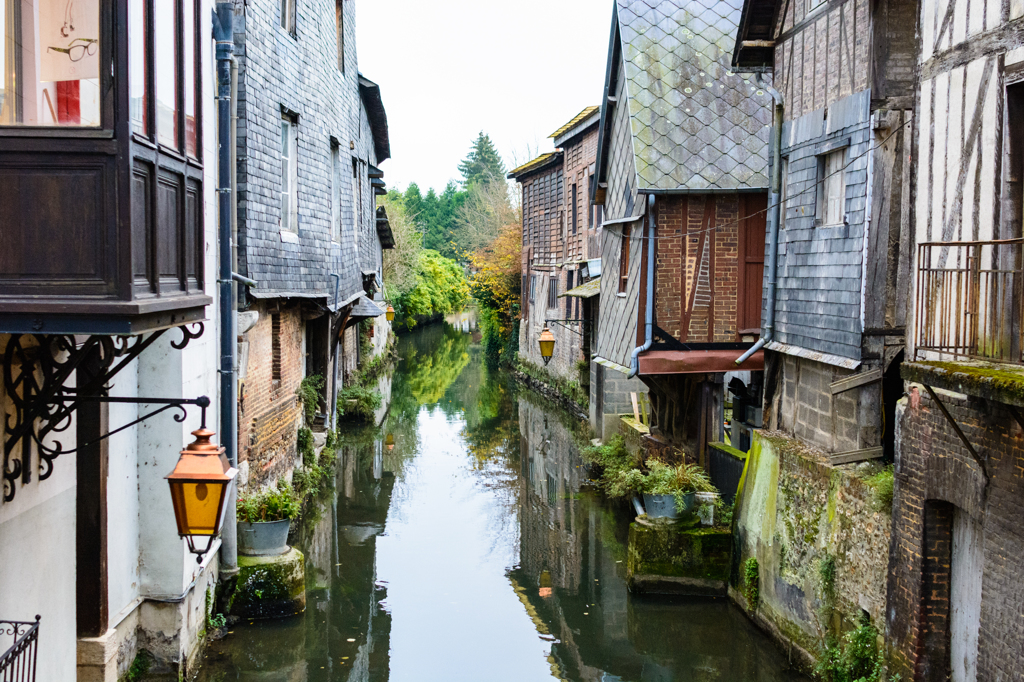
<point x="471" y="551"/>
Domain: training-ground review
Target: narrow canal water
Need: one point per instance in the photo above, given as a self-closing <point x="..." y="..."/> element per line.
<point x="473" y="551"/>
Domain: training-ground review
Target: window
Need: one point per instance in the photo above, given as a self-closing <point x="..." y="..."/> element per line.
<point x="624" y="260"/>
<point x="784" y="193"/>
<point x="188" y="13"/>
<point x="138" y="95"/>
<point x="599" y="216"/>
<point x="575" y="208"/>
<point x="831" y="199"/>
<point x="815" y="4"/>
<point x="288" y="16"/>
<point x="166" y="64"/>
<point x="568" y="286"/>
<point x="340" y="27"/>
<point x="335" y="192"/>
<point x="275" y="348"/>
<point x="289" y="171"/>
<point x="49" y="63"/>
<point x="553" y="292"/>
<point x="357" y="204"/>
<point x="533" y="288"/>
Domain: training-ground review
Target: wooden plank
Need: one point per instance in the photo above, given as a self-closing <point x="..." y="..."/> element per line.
<point x="856" y="455"/>
<point x="855" y="380"/>
<point x="636" y="407"/>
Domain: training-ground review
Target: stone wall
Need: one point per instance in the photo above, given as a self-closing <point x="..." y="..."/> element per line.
<point x="937" y="481"/>
<point x="794" y="510"/>
<point x="609" y="397"/>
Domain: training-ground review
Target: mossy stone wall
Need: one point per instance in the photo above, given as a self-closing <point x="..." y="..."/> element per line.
<point x="269" y="586"/>
<point x="678" y="558"/>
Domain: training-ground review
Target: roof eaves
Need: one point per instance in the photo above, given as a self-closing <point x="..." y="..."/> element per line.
<point x="755" y="45"/>
<point x="575" y="120"/>
<point x="370" y="94"/>
<point x="581" y="127"/>
<point x="540" y="163"/>
<point x="604" y="129"/>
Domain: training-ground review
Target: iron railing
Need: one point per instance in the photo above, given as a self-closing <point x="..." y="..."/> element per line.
<point x="969" y="299"/>
<point x="18" y="663"/>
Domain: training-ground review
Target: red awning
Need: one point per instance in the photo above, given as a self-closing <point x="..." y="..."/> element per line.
<point x="698" y="361"/>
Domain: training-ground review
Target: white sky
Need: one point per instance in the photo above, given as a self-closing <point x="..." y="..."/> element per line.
<point x="451" y="68"/>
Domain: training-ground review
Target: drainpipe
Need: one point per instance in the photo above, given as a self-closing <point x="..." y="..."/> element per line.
<point x="223" y="33"/>
<point x="773" y="230"/>
<point x="634" y="360"/>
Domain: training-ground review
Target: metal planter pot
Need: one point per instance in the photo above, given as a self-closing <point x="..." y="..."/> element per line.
<point x="664" y="506"/>
<point x="263" y="538"/>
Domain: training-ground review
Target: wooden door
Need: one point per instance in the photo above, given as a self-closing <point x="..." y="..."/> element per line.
<point x="753" y="210"/>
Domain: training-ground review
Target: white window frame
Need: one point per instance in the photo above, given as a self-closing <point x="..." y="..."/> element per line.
<point x="830" y="210"/>
<point x="289" y="220"/>
<point x="288" y="20"/>
<point x="335" y="192"/>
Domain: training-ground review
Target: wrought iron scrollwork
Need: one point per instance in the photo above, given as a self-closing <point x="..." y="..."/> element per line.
<point x="36" y="369"/>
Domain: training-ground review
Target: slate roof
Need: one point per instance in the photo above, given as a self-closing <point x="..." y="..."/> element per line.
<point x="696" y="124"/>
<point x="366" y="308"/>
<point x="542" y="161"/>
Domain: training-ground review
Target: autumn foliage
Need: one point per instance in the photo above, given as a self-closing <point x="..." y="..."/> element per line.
<point x="496" y="282"/>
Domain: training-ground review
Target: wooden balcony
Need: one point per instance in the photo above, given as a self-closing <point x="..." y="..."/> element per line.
<point x="101" y="198"/>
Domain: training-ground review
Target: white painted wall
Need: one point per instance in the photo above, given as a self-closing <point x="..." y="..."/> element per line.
<point x="965" y="596"/>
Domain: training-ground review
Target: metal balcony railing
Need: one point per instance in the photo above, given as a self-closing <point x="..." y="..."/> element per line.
<point x="18" y="663"/>
<point x="969" y="299"/>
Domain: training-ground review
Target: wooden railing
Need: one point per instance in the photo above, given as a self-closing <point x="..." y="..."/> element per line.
<point x="969" y="299"/>
<point x="18" y="663"/>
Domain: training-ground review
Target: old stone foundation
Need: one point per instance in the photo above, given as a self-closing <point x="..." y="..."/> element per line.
<point x="269" y="586"/>
<point x="667" y="557"/>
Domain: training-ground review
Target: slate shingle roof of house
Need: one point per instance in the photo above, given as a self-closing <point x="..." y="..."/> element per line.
<point x="696" y="125"/>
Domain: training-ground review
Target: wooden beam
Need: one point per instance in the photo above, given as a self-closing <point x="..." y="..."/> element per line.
<point x="856" y="455"/>
<point x="855" y="380"/>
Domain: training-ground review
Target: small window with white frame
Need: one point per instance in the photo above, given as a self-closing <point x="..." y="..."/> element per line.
<point x="814" y="5"/>
<point x="289" y="173"/>
<point x="830" y="210"/>
<point x="288" y="16"/>
<point x="335" y="192"/>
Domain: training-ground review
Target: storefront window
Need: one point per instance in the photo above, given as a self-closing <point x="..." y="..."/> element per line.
<point x="165" y="18"/>
<point x="138" y="100"/>
<point x="50" y="62"/>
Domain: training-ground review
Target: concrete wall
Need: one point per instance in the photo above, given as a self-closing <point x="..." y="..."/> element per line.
<point x="609" y="398"/>
<point x="792" y="510"/>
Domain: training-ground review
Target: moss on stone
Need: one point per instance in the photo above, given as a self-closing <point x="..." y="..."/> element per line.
<point x="671" y="550"/>
<point x="986" y="379"/>
<point x="739" y="454"/>
<point x="269" y="586"/>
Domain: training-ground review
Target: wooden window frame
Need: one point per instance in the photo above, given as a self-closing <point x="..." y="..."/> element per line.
<point x="568" y="299"/>
<point x="624" y="259"/>
<point x="575" y="210"/>
<point x="291" y="171"/>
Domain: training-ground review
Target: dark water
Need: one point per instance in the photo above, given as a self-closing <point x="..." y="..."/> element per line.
<point x="470" y="551"/>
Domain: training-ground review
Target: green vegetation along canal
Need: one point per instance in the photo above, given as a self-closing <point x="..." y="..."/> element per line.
<point x="473" y="551"/>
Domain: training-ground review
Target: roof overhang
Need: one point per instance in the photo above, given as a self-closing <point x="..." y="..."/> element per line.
<point x="542" y="162"/>
<point x="384" y="233"/>
<point x="370" y="93"/>
<point x="366" y="308"/>
<point x="755" y="39"/>
<point x="599" y="180"/>
<point x="710" y="361"/>
<point x="583" y="122"/>
<point x="588" y="290"/>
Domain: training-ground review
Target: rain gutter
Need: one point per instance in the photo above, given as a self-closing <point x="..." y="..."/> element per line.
<point x="634" y="360"/>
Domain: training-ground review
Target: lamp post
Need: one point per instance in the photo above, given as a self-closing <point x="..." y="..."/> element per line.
<point x="200" y="486"/>
<point x="547" y="344"/>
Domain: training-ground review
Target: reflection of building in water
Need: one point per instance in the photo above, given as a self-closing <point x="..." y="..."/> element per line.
<point x="465" y="321"/>
<point x="550" y="480"/>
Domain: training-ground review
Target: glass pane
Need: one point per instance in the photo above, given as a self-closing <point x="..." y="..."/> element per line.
<point x="138" y="101"/>
<point x="165" y="17"/>
<point x="50" y="62"/>
<point x="189" y="57"/>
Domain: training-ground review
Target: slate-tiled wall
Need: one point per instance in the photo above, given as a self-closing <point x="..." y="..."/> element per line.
<point x="819" y="272"/>
<point x="300" y="74"/>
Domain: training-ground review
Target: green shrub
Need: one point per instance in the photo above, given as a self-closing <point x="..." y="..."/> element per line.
<point x="882" y="485"/>
<point x="359" y="401"/>
<point x="855" y="658"/>
<point x="751" y="582"/>
<point x="273" y="504"/>
<point x="308" y="393"/>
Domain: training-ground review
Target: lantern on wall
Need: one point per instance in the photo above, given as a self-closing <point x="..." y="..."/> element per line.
<point x="547" y="344"/>
<point x="200" y="484"/>
<point x="390" y="314"/>
<point x="389" y="441"/>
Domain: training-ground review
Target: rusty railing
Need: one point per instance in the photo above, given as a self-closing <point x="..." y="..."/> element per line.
<point x="969" y="299"/>
<point x="18" y="663"/>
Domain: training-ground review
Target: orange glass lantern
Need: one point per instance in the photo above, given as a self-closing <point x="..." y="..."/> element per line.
<point x="547" y="344"/>
<point x="390" y="314"/>
<point x="200" y="484"/>
<point x="389" y="440"/>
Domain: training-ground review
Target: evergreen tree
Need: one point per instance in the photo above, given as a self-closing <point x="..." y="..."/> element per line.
<point x="482" y="164"/>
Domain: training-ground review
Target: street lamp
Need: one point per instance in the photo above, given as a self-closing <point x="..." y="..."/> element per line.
<point x="390" y="314"/>
<point x="547" y="344"/>
<point x="200" y="484"/>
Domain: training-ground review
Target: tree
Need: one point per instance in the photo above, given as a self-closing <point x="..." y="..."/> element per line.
<point x="402" y="262"/>
<point x="487" y="210"/>
<point x="497" y="286"/>
<point x="483" y="163"/>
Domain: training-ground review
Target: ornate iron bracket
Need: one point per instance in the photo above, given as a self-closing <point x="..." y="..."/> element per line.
<point x="36" y="369"/>
<point x="583" y="325"/>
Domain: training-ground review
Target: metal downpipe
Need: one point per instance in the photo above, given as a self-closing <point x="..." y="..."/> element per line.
<point x="634" y="360"/>
<point x="223" y="33"/>
<point x="774" y="196"/>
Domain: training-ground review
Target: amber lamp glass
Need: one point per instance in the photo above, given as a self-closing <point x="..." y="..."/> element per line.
<point x="389" y="440"/>
<point x="390" y="314"/>
<point x="200" y="484"/>
<point x="547" y="344"/>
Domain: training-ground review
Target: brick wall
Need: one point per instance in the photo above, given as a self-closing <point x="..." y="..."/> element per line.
<point x="934" y="475"/>
<point x="580" y="153"/>
<point x="269" y="414"/>
<point x="686" y="260"/>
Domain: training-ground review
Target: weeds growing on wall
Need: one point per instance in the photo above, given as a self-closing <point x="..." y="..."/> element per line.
<point x="752" y="582"/>
<point x="854" y="658"/>
<point x="309" y="392"/>
<point x="882" y="486"/>
<point x="568" y="388"/>
<point x="316" y="471"/>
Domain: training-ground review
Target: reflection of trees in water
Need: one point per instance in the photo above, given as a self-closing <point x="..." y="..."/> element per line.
<point x="432" y="358"/>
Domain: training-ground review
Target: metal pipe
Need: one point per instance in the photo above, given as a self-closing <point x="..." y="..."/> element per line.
<point x="634" y="360"/>
<point x="774" y="196"/>
<point x="223" y="34"/>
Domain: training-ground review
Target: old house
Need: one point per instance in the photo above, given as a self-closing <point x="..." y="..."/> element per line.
<point x="312" y="133"/>
<point x="108" y="259"/>
<point x="841" y="77"/>
<point x="559" y="228"/>
<point x="956" y="610"/>
<point x="682" y="177"/>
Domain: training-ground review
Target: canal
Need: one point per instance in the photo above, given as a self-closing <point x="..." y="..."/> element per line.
<point x="472" y="550"/>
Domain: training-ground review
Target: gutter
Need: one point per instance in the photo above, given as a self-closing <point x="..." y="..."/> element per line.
<point x="634" y="360"/>
<point x="773" y="233"/>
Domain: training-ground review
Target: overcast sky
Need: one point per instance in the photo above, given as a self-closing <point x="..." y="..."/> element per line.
<point x="451" y="68"/>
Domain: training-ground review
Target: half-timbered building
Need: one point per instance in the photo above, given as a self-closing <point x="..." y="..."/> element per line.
<point x="682" y="177"/>
<point x="956" y="607"/>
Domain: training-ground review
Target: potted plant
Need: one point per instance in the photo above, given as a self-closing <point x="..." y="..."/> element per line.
<point x="264" y="519"/>
<point x="670" y="491"/>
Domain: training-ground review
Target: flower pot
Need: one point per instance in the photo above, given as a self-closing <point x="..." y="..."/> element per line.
<point x="707" y="517"/>
<point x="664" y="506"/>
<point x="263" y="538"/>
